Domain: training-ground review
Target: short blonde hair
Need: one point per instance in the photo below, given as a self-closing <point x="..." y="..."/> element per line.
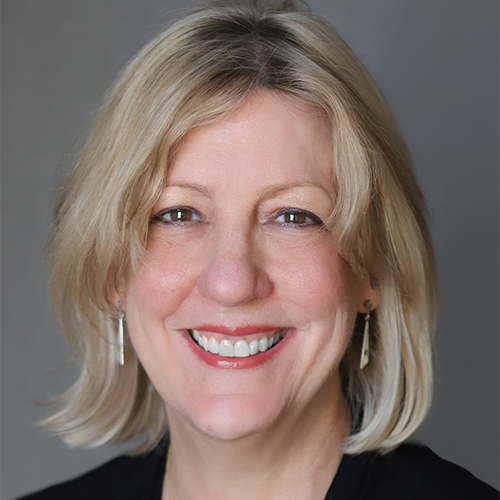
<point x="200" y="69"/>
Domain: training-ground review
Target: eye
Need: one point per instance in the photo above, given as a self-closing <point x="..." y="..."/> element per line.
<point x="177" y="215"/>
<point x="298" y="218"/>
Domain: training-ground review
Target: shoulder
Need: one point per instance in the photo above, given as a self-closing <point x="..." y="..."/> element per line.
<point x="436" y="477"/>
<point x="412" y="472"/>
<point x="441" y="478"/>
<point x="124" y="478"/>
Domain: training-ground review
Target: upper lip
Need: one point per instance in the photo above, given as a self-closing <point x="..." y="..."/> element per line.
<point x="237" y="331"/>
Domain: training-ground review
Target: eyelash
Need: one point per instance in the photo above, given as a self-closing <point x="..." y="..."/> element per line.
<point x="159" y="217"/>
<point x="291" y="217"/>
<point x="314" y="220"/>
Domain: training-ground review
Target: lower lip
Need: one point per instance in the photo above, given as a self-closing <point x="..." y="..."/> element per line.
<point x="236" y="363"/>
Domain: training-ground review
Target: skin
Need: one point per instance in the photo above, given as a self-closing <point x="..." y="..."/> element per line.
<point x="240" y="261"/>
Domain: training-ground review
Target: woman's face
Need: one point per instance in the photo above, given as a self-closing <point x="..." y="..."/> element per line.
<point x="237" y="254"/>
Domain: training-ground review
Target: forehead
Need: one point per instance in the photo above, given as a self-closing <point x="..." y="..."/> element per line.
<point x="271" y="137"/>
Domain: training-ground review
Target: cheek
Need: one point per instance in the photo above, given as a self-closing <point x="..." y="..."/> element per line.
<point x="316" y="278"/>
<point x="155" y="293"/>
<point x="163" y="281"/>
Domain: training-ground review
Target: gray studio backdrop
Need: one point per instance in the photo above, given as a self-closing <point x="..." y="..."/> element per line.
<point x="437" y="63"/>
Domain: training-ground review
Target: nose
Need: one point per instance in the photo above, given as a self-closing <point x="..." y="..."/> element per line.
<point x="234" y="273"/>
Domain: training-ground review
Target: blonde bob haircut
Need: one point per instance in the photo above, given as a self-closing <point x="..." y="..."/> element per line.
<point x="200" y="69"/>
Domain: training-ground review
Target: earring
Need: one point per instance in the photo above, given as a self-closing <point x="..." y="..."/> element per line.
<point x="121" y="344"/>
<point x="365" y="349"/>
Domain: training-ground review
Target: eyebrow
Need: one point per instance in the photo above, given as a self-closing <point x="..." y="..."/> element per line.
<point x="275" y="189"/>
<point x="267" y="193"/>
<point x="190" y="185"/>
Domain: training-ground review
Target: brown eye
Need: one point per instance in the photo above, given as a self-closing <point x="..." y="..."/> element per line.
<point x="295" y="218"/>
<point x="299" y="218"/>
<point x="181" y="215"/>
<point x="178" y="214"/>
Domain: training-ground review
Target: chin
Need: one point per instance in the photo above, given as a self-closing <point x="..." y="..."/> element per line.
<point x="235" y="416"/>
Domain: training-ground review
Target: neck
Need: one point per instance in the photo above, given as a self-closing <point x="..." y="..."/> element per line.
<point x="297" y="457"/>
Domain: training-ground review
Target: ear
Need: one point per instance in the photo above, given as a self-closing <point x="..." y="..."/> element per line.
<point x="116" y="297"/>
<point x="368" y="294"/>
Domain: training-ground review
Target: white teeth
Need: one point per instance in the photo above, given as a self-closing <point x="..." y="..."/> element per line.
<point x="226" y="348"/>
<point x="242" y="349"/>
<point x="254" y="347"/>
<point x="205" y="342"/>
<point x="213" y="346"/>
<point x="263" y="344"/>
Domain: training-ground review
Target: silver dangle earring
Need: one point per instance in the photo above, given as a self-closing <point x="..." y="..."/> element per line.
<point x="365" y="350"/>
<point x="121" y="343"/>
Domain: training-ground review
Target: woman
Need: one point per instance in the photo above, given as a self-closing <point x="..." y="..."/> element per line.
<point x="242" y="252"/>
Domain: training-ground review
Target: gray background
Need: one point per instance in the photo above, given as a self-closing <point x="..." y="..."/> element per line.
<point x="437" y="63"/>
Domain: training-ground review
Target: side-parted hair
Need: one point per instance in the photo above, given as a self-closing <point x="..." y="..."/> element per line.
<point x="200" y="69"/>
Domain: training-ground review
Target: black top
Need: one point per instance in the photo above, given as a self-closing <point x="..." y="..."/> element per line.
<point x="410" y="472"/>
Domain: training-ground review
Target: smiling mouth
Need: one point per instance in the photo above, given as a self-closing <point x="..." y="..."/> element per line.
<point x="240" y="348"/>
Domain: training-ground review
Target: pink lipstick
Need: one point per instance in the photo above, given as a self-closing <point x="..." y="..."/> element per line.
<point x="246" y="347"/>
